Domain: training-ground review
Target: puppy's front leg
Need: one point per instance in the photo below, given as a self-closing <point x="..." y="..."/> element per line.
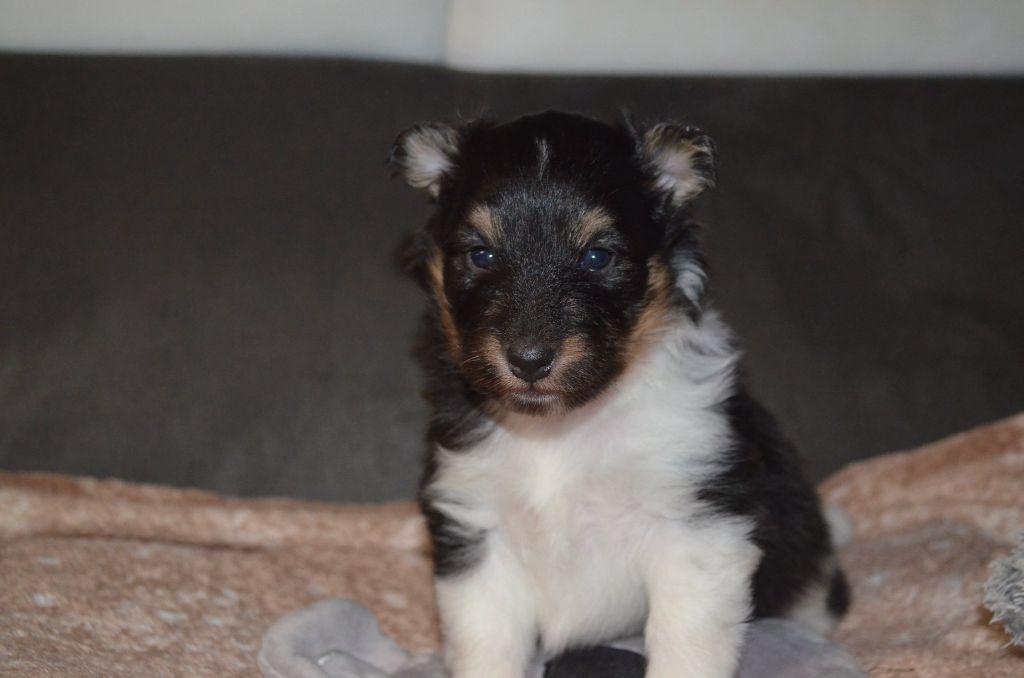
<point x="699" y="591"/>
<point x="486" y="618"/>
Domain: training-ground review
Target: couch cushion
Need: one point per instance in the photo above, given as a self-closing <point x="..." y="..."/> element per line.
<point x="196" y="283"/>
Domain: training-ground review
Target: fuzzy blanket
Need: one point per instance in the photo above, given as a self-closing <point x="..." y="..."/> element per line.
<point x="103" y="578"/>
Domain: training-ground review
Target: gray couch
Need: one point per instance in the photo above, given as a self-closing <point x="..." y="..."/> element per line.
<point x="197" y="285"/>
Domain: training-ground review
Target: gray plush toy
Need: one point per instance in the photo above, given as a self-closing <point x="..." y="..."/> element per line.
<point x="1004" y="593"/>
<point x="341" y="639"/>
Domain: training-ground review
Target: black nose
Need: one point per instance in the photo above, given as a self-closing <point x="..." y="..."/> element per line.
<point x="529" y="361"/>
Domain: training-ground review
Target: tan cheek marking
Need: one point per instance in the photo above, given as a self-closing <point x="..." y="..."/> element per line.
<point x="493" y="354"/>
<point x="572" y="352"/>
<point x="591" y="224"/>
<point x="483" y="221"/>
<point x="574" y="349"/>
<point x="435" y="275"/>
<point x="654" y="317"/>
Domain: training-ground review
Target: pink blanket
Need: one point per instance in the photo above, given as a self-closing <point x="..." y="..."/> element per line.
<point x="104" y="578"/>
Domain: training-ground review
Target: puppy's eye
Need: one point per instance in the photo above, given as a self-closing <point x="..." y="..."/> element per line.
<point x="482" y="257"/>
<point x="595" y="259"/>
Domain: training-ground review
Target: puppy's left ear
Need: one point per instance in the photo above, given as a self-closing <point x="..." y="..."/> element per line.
<point x="682" y="160"/>
<point x="425" y="155"/>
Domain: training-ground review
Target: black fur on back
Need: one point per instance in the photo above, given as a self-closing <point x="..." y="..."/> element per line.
<point x="765" y="480"/>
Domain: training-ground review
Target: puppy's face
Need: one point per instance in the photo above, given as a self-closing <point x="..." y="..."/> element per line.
<point x="551" y="258"/>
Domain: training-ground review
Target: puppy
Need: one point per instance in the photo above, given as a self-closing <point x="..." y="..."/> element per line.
<point x="596" y="468"/>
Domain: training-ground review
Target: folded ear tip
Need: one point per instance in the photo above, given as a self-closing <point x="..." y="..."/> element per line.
<point x="423" y="154"/>
<point x="683" y="158"/>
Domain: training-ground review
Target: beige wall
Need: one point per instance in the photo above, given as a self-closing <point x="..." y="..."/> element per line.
<point x="672" y="36"/>
<point x="395" y="29"/>
<point x="739" y="36"/>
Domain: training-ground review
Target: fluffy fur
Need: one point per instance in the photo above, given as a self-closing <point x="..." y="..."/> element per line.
<point x="595" y="466"/>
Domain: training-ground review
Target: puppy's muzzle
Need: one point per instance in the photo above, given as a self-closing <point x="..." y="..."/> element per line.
<point x="530" y="360"/>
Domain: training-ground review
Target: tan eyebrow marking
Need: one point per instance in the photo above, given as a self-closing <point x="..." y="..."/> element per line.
<point x="483" y="221"/>
<point x="592" y="223"/>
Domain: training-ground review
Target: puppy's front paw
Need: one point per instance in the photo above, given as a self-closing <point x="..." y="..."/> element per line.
<point x="699" y="588"/>
<point x="486" y="620"/>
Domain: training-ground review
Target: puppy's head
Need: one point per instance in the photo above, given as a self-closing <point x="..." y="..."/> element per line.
<point x="558" y="248"/>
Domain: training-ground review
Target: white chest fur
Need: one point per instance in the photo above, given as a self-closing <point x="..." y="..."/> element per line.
<point x="571" y="504"/>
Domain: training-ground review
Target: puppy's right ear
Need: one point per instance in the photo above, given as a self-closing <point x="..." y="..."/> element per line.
<point x="425" y="155"/>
